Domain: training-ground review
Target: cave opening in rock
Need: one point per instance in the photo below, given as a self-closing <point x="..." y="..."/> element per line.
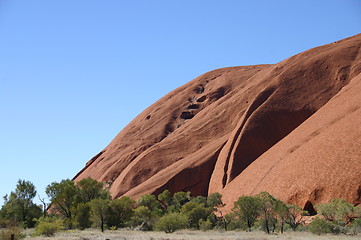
<point x="309" y="208"/>
<point x="193" y="106"/>
<point x="202" y="99"/>
<point x="187" y="115"/>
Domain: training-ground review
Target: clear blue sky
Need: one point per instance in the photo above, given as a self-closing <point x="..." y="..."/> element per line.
<point x="73" y="73"/>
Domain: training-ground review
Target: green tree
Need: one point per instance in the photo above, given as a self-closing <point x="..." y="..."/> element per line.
<point x="225" y="220"/>
<point x="268" y="205"/>
<point x="83" y="215"/>
<point x="165" y="199"/>
<point x="89" y="189"/>
<point x="171" y="222"/>
<point x="19" y="205"/>
<point x="214" y="201"/>
<point x="247" y="209"/>
<point x="180" y="198"/>
<point x="194" y="212"/>
<point x="143" y="218"/>
<point x="64" y="199"/>
<point x="282" y="214"/>
<point x="120" y="211"/>
<point x="99" y="209"/>
<point x="338" y="210"/>
<point x="294" y="216"/>
<point x="199" y="200"/>
<point x="150" y="201"/>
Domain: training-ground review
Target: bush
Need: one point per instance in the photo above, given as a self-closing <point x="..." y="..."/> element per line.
<point x="8" y="223"/>
<point x="48" y="227"/>
<point x="171" y="222"/>
<point x="320" y="226"/>
<point x="205" y="225"/>
<point x="356" y="226"/>
<point x="337" y="210"/>
<point x="113" y="228"/>
<point x="302" y="228"/>
<point x="5" y="234"/>
<point x="83" y="216"/>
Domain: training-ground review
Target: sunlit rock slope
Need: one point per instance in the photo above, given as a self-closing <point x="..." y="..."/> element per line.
<point x="292" y="129"/>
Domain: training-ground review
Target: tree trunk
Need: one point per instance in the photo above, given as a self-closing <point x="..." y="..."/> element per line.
<point x="266" y="225"/>
<point x="44" y="205"/>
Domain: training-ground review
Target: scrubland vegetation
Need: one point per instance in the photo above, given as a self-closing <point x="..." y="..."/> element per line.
<point x="74" y="207"/>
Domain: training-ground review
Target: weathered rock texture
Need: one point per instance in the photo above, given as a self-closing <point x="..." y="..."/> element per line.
<point x="292" y="129"/>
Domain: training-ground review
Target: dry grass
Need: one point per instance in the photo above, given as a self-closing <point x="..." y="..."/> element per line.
<point x="94" y="234"/>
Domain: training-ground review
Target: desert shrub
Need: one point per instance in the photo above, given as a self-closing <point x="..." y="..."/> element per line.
<point x="48" y="226"/>
<point x="171" y="222"/>
<point x="337" y="210"/>
<point x="47" y="229"/>
<point x="355" y="227"/>
<point x="302" y="228"/>
<point x="339" y="227"/>
<point x="83" y="216"/>
<point x="320" y="226"/>
<point x="213" y="219"/>
<point x="113" y="228"/>
<point x="3" y="223"/>
<point x="5" y="234"/>
<point x="8" y="223"/>
<point x="205" y="225"/>
<point x="235" y="224"/>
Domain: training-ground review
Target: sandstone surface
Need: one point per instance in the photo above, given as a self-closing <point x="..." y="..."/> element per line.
<point x="292" y="129"/>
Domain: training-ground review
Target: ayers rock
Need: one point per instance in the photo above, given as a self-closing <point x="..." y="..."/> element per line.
<point x="292" y="129"/>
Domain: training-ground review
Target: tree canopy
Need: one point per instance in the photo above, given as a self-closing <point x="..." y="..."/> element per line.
<point x="19" y="205"/>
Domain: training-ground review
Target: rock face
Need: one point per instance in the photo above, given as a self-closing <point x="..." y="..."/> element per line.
<point x="292" y="129"/>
